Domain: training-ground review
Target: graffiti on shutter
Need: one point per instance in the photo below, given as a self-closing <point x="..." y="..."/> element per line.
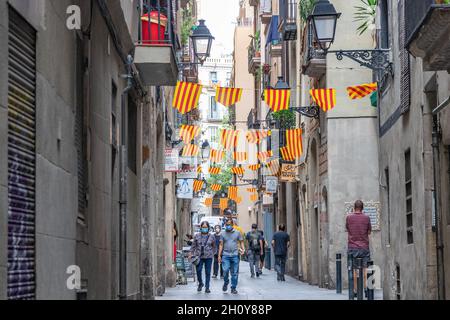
<point x="21" y="158"/>
<point x="405" y="76"/>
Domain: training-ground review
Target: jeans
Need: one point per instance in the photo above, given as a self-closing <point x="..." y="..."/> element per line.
<point x="217" y="266"/>
<point x="230" y="264"/>
<point x="254" y="260"/>
<point x="208" y="264"/>
<point x="280" y="264"/>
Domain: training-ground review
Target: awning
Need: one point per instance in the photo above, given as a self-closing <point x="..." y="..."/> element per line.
<point x="273" y="35"/>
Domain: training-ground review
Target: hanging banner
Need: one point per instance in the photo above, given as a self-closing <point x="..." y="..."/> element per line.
<point x="288" y="173"/>
<point x="185" y="188"/>
<point x="170" y="160"/>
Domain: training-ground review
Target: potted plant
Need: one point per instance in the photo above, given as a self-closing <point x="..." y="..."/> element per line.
<point x="366" y="13"/>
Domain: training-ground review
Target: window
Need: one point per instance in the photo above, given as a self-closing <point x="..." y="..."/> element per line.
<point x="388" y="205"/>
<point x="213" y="111"/>
<point x="213" y="76"/>
<point x="213" y="134"/>
<point x="405" y="76"/>
<point x="408" y="198"/>
<point x="132" y="136"/>
<point x="398" y="284"/>
<point x="384" y="24"/>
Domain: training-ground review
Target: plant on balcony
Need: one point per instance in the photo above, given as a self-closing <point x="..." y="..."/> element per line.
<point x="186" y="26"/>
<point x="365" y="14"/>
<point x="286" y="119"/>
<point x="306" y="8"/>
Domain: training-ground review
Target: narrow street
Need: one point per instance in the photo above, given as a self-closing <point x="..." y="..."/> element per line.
<point x="266" y="287"/>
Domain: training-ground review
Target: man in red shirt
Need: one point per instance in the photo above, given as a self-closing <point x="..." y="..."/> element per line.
<point x="359" y="228"/>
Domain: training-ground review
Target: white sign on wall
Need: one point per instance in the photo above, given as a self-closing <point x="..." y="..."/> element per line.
<point x="185" y="188"/>
<point x="271" y="184"/>
<point x="171" y="160"/>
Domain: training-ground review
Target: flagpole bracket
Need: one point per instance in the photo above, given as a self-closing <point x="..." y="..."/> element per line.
<point x="376" y="59"/>
<point x="309" y="111"/>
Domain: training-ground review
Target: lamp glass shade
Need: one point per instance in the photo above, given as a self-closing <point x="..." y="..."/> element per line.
<point x="325" y="29"/>
<point x="202" y="41"/>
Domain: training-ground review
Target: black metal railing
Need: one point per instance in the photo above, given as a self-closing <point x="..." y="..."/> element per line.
<point x="157" y="23"/>
<point x="415" y="11"/>
<point x="288" y="11"/>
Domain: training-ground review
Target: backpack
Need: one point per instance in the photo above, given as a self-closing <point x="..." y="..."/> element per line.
<point x="254" y="238"/>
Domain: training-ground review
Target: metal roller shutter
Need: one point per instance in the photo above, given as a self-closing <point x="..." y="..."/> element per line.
<point x="21" y="158"/>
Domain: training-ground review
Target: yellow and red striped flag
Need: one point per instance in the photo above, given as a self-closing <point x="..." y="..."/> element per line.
<point x="228" y="96"/>
<point x="238" y="170"/>
<point x="216" y="155"/>
<point x="190" y="150"/>
<point x="251" y="190"/>
<point x="214" y="170"/>
<point x="255" y="136"/>
<point x="277" y="99"/>
<point x="186" y="96"/>
<point x="286" y="154"/>
<point x="223" y="203"/>
<point x="229" y="138"/>
<point x="187" y="133"/>
<point x="358" y="92"/>
<point x="199" y="169"/>
<point x="325" y="98"/>
<point x="294" y="142"/>
<point x="263" y="156"/>
<point x="240" y="156"/>
<point x="254" y="167"/>
<point x="254" y="197"/>
<point x="274" y="167"/>
<point x="208" y="202"/>
<point x="198" y="185"/>
<point x="232" y="192"/>
<point x="216" y="187"/>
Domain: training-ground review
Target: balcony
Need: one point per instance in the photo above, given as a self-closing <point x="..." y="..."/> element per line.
<point x="155" y="49"/>
<point x="254" y="3"/>
<point x="288" y="19"/>
<point x="265" y="11"/>
<point x="273" y="39"/>
<point x="254" y="57"/>
<point x="430" y="39"/>
<point x="314" y="62"/>
<point x="190" y="71"/>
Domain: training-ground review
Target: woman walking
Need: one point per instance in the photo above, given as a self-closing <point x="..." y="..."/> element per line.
<point x="202" y="249"/>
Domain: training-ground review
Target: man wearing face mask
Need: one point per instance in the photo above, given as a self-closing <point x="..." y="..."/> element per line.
<point x="231" y="245"/>
<point x="203" y="247"/>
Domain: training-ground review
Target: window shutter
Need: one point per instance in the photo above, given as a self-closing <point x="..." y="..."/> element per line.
<point x="405" y="76"/>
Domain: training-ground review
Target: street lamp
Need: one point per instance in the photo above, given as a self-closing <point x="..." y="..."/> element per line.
<point x="324" y="18"/>
<point x="205" y="149"/>
<point x="201" y="41"/>
<point x="281" y="85"/>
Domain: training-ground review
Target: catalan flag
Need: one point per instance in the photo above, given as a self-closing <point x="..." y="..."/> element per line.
<point x="190" y="150"/>
<point x="240" y="156"/>
<point x="263" y="156"/>
<point x="278" y="99"/>
<point x="251" y="190"/>
<point x="216" y="187"/>
<point x="229" y="138"/>
<point x="358" y="92"/>
<point x="232" y="192"/>
<point x="214" y="170"/>
<point x="238" y="170"/>
<point x="286" y="154"/>
<point x="274" y="167"/>
<point x="223" y="203"/>
<point x="255" y="136"/>
<point x="254" y="197"/>
<point x="186" y="96"/>
<point x="208" y="202"/>
<point x="254" y="167"/>
<point x="294" y="142"/>
<point x="187" y="133"/>
<point x="199" y="169"/>
<point x="228" y="96"/>
<point x="216" y="155"/>
<point x="198" y="185"/>
<point x="325" y="98"/>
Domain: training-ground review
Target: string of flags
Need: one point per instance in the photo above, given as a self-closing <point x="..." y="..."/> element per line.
<point x="187" y="95"/>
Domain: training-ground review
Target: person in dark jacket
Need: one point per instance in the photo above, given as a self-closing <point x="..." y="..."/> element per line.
<point x="217" y="265"/>
<point x="280" y="244"/>
<point x="203" y="249"/>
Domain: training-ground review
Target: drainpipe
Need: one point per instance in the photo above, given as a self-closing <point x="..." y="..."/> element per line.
<point x="123" y="160"/>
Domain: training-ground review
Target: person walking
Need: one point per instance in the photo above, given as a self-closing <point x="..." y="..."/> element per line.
<point x="263" y="255"/>
<point x="231" y="245"/>
<point x="203" y="247"/>
<point x="280" y="244"/>
<point x="359" y="228"/>
<point x="255" y="250"/>
<point x="217" y="265"/>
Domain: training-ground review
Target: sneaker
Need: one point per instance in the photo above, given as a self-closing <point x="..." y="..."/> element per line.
<point x="214" y="276"/>
<point x="207" y="290"/>
<point x="200" y="287"/>
<point x="252" y="276"/>
<point x="282" y="278"/>
<point x="225" y="288"/>
<point x="257" y="274"/>
<point x="234" y="291"/>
